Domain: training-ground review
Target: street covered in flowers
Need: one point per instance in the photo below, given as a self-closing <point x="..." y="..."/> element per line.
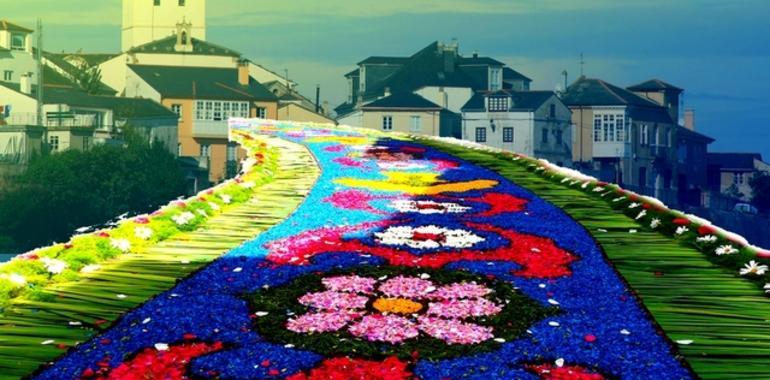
<point x="404" y="262"/>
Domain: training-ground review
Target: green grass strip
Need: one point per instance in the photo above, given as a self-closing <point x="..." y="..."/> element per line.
<point x="690" y="297"/>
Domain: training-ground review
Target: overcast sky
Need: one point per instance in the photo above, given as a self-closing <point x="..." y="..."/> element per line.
<point x="718" y="50"/>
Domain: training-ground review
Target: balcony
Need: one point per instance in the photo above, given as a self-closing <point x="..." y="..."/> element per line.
<point x="611" y="149"/>
<point x="53" y="120"/>
<point x="210" y="129"/>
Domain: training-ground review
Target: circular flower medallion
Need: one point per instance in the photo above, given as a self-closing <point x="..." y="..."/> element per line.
<point x="427" y="207"/>
<point x="370" y="311"/>
<point x="427" y="237"/>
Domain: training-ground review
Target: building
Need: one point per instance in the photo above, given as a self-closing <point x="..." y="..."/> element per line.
<point x="731" y="173"/>
<point x="691" y="153"/>
<point x="405" y="112"/>
<point x="146" y="21"/>
<point x="204" y="98"/>
<point x="438" y="73"/>
<point x="623" y="137"/>
<point x="16" y="53"/>
<point x="535" y="123"/>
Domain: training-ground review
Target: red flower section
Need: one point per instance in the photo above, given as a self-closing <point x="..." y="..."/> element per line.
<point x="154" y="364"/>
<point x="681" y="222"/>
<point x="347" y="161"/>
<point x="335" y="148"/>
<point x="500" y="203"/>
<point x="357" y="369"/>
<point x="551" y="372"/>
<point x="443" y="165"/>
<point x="539" y="257"/>
<point x="355" y="200"/>
<point x="706" y="230"/>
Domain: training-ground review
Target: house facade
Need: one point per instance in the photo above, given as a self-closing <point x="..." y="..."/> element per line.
<point x="692" y="152"/>
<point x="204" y="99"/>
<point x="16" y="53"/>
<point x="438" y="73"/>
<point x="623" y="137"/>
<point x="404" y="112"/>
<point x="731" y="173"/>
<point x="535" y="123"/>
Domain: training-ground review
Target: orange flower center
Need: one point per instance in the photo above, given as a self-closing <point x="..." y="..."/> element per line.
<point x="397" y="305"/>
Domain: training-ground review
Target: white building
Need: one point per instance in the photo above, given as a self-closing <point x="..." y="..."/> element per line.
<point x="535" y="123"/>
<point x="146" y="21"/>
<point x="16" y="54"/>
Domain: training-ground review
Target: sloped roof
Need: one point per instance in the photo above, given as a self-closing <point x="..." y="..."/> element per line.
<point x="51" y="76"/>
<point x="201" y="83"/>
<point x="466" y="61"/>
<point x="384" y="61"/>
<point x="92" y="59"/>
<point x="520" y="100"/>
<point x="353" y="73"/>
<point x="5" y="25"/>
<point x="736" y="161"/>
<point x="200" y="47"/>
<point x="596" y="92"/>
<point x="654" y="85"/>
<point x="685" y="133"/>
<point x="344" y="109"/>
<point x="511" y="74"/>
<point x="403" y="100"/>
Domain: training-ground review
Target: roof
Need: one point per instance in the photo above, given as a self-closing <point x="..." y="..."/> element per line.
<point x="685" y="133"/>
<point x="51" y="76"/>
<point x="591" y="92"/>
<point x="739" y="161"/>
<point x="511" y="74"/>
<point x="5" y="25"/>
<point x="403" y="100"/>
<point x="521" y="100"/>
<point x="476" y="60"/>
<point x="167" y="46"/>
<point x="654" y="85"/>
<point x="90" y="59"/>
<point x="355" y="72"/>
<point x="384" y="61"/>
<point x="344" y="109"/>
<point x="201" y="83"/>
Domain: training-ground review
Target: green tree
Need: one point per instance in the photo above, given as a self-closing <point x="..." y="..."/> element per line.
<point x="61" y="192"/>
<point x="88" y="78"/>
<point x="760" y="190"/>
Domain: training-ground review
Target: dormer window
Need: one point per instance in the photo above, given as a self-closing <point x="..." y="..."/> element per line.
<point x="184" y="38"/>
<point x="18" y="41"/>
<point x="497" y="104"/>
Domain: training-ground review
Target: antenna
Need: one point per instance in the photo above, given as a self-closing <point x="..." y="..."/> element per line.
<point x="565" y="79"/>
<point x="39" y="58"/>
<point x="582" y="65"/>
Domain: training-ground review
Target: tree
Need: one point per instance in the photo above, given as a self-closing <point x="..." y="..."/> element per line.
<point x="61" y="192"/>
<point x="760" y="192"/>
<point x="88" y="78"/>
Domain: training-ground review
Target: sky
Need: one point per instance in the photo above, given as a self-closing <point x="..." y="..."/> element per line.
<point x="718" y="51"/>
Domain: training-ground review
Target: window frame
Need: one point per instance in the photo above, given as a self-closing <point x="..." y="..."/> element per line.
<point x="182" y="3"/>
<point x="508" y="134"/>
<point x="261" y="112"/>
<point x="53" y="142"/>
<point x="544" y="136"/>
<point x="415" y="123"/>
<point x="387" y="122"/>
<point x="497" y="104"/>
<point x="481" y="134"/>
<point x="205" y="150"/>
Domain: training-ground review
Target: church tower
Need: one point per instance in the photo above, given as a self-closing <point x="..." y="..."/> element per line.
<point x="149" y="20"/>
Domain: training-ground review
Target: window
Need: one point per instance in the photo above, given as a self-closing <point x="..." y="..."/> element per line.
<point x="738" y="178"/>
<point x="507" y="134"/>
<point x="53" y="141"/>
<point x="609" y="127"/>
<point x="495" y="78"/>
<point x="18" y="41"/>
<point x="644" y="135"/>
<point x="620" y="129"/>
<point x="232" y="152"/>
<point x="387" y="123"/>
<point x="86" y="143"/>
<point x="559" y="136"/>
<point x="210" y="110"/>
<point x="597" y="128"/>
<point x="481" y="134"/>
<point x="177" y="109"/>
<point x="655" y="134"/>
<point x="205" y="150"/>
<point x="415" y="122"/>
<point x="552" y="111"/>
<point x="156" y="2"/>
<point x="181" y="3"/>
<point x="217" y="111"/>
<point x="544" y="138"/>
<point x="262" y="112"/>
<point x="8" y="75"/>
<point x="497" y="104"/>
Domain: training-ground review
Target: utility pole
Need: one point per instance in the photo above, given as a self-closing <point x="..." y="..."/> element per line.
<point x="39" y="57"/>
<point x="582" y="64"/>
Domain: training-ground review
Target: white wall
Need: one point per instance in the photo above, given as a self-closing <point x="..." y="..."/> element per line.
<point x="19" y="62"/>
<point x="263" y="75"/>
<point x="521" y="122"/>
<point x="136" y="87"/>
<point x="353" y="119"/>
<point x="143" y="22"/>
<point x="23" y="107"/>
<point x="451" y="98"/>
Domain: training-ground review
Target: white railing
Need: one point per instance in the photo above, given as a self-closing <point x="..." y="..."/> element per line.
<point x="18" y="119"/>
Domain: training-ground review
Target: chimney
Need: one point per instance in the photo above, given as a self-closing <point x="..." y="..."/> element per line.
<point x="243" y="73"/>
<point x="689" y="119"/>
<point x="387" y="91"/>
<point x="475" y="54"/>
<point x="317" y="98"/>
<point x="25" y="83"/>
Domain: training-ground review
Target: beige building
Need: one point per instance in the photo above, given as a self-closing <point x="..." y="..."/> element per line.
<point x="623" y="137"/>
<point x="404" y="112"/>
<point x="204" y="99"/>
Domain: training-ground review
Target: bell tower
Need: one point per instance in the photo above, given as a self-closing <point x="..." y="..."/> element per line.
<point x="150" y="20"/>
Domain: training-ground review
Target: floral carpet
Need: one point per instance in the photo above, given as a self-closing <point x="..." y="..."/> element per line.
<point x="403" y="262"/>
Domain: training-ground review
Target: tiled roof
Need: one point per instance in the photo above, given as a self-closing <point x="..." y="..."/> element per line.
<point x="736" y="161"/>
<point x="200" y="47"/>
<point x="521" y="100"/>
<point x="344" y="109"/>
<point x="5" y="25"/>
<point x="404" y="100"/>
<point x="201" y="83"/>
<point x="654" y="85"/>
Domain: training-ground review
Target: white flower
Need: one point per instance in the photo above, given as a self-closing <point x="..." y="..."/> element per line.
<point x="15" y="278"/>
<point x="203" y="213"/>
<point x="226" y="198"/>
<point x="427" y="207"/>
<point x="706" y="239"/>
<point x="655" y="223"/>
<point x="144" y="233"/>
<point x="767" y="287"/>
<point x="681" y="230"/>
<point x="634" y="205"/>
<point x="598" y="189"/>
<point x="725" y="250"/>
<point x="53" y="266"/>
<point x="183" y="218"/>
<point x="248" y="185"/>
<point x="161" y="346"/>
<point x="753" y="268"/>
<point x="641" y="215"/>
<point x="90" y="268"/>
<point x="214" y="206"/>
<point x="121" y="245"/>
<point x="427" y="237"/>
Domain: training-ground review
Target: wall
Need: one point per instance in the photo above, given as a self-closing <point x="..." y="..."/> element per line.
<point x="456" y="97"/>
<point x="143" y="22"/>
<point x="429" y="121"/>
<point x="19" y="62"/>
<point x="270" y="107"/>
<point x="521" y="122"/>
<point x="136" y="87"/>
<point x="23" y="107"/>
<point x="294" y="112"/>
<point x="263" y="75"/>
<point x="353" y="119"/>
<point x="552" y="151"/>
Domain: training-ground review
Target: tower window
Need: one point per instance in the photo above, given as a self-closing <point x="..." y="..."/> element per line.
<point x="181" y="3"/>
<point x="156" y="2"/>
